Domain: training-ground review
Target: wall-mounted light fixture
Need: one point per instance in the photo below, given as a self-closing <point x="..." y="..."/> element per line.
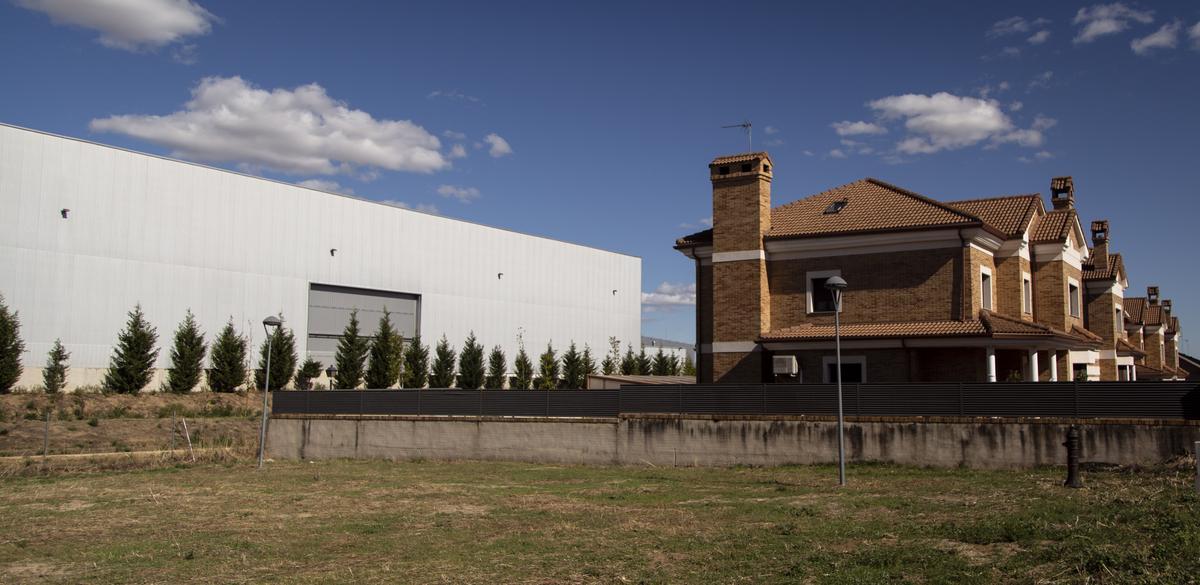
<point x="333" y="251"/>
<point x="614" y="292"/>
<point x="65" y="212"/>
<point x="499" y="275"/>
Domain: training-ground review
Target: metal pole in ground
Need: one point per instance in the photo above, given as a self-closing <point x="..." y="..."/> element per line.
<point x="1197" y="454"/>
<point x="1072" y="444"/>
<point x="836" y="285"/>
<point x="46" y="439"/>
<point x="268" y="323"/>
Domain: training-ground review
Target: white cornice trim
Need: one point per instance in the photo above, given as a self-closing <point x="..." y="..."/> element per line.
<point x="983" y="239"/>
<point x="733" y="346"/>
<point x="739" y="256"/>
<point x="864" y="244"/>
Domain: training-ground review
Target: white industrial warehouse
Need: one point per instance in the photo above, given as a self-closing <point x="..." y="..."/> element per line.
<point x="87" y="231"/>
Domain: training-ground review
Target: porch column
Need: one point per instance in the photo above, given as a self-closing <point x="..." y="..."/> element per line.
<point x="991" y="364"/>
<point x="1033" y="365"/>
<point x="1054" y="365"/>
<point x="1133" y="372"/>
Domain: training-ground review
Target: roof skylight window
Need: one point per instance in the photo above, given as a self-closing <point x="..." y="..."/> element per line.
<point x="836" y="206"/>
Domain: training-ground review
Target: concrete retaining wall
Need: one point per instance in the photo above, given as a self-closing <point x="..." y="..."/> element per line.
<point x="701" y="440"/>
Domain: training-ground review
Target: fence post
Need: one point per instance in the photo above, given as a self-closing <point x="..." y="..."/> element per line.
<point x="46" y="438"/>
<point x="961" y="411"/>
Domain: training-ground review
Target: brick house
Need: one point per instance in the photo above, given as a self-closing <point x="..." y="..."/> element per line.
<point x="984" y="289"/>
<point x="1152" y="329"/>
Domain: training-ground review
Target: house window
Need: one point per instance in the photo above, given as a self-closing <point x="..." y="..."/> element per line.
<point x="746" y="168"/>
<point x="985" y="286"/>
<point x="1027" y="295"/>
<point x="854" y="369"/>
<point x="1119" y="325"/>
<point x="1073" y="297"/>
<point x="820" y="299"/>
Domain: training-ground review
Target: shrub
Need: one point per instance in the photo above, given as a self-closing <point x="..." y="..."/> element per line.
<point x="351" y="356"/>
<point x="470" y="364"/>
<point x="387" y="355"/>
<point x="442" y="374"/>
<point x="416" y="364"/>
<point x="54" y="375"/>
<point x="629" y="362"/>
<point x="228" y="370"/>
<point x="308" y="370"/>
<point x="589" y="362"/>
<point x="11" y="347"/>
<point x="522" y="370"/>
<point x="644" y="366"/>
<point x="689" y="367"/>
<point x="572" y="368"/>
<point x="282" y="345"/>
<point x="132" y="363"/>
<point x="187" y="356"/>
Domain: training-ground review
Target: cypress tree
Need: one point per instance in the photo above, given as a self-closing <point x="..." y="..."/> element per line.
<point x="308" y="370"/>
<point x="589" y="362"/>
<point x="689" y="367"/>
<point x="470" y="364"/>
<point x="672" y="364"/>
<point x="11" y="348"/>
<point x="612" y="360"/>
<point x="572" y="368"/>
<point x="351" y="356"/>
<point x="548" y="370"/>
<point x="132" y="363"/>
<point x="497" y="369"/>
<point x="661" y="366"/>
<point x="442" y="373"/>
<point x="228" y="369"/>
<point x="387" y="355"/>
<point x="644" y="366"/>
<point x="283" y="359"/>
<point x="187" y="356"/>
<point x="629" y="363"/>
<point x="522" y="370"/>
<point x="416" y="364"/>
<point x="54" y="375"/>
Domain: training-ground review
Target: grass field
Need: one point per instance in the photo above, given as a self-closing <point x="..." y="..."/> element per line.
<point x="471" y="522"/>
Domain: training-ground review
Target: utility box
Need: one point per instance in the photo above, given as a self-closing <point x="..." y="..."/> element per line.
<point x="785" y="365"/>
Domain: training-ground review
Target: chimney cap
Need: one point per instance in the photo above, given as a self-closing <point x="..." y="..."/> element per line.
<point x="1100" y="231"/>
<point x="744" y="157"/>
<point x="1062" y="192"/>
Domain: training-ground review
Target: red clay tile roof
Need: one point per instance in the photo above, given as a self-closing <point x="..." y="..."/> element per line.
<point x="734" y="158"/>
<point x="1153" y="314"/>
<point x="871" y="206"/>
<point x="1054" y="226"/>
<point x="1010" y="215"/>
<point x="1113" y="271"/>
<point x="1174" y="326"/>
<point x="696" y="239"/>
<point x="1134" y="307"/>
<point x="989" y="325"/>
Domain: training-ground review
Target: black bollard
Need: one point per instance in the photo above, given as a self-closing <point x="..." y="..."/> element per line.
<point x="1072" y="444"/>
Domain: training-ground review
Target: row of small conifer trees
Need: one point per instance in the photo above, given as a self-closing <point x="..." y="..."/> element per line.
<point x="382" y="361"/>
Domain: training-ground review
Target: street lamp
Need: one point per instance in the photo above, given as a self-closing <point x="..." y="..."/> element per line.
<point x="331" y="371"/>
<point x="836" y="285"/>
<point x="271" y="322"/>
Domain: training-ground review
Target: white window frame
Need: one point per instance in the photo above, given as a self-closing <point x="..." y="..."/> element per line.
<point x="1074" y="301"/>
<point x="1119" y="317"/>
<point x="830" y="360"/>
<point x="1026" y="293"/>
<point x="808" y="297"/>
<point x="987" y="298"/>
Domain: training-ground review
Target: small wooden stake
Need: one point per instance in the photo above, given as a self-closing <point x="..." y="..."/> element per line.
<point x="46" y="439"/>
<point x="188" y="435"/>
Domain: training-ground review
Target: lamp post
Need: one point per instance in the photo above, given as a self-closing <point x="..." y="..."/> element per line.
<point x="331" y="371"/>
<point x="271" y="322"/>
<point x="836" y="285"/>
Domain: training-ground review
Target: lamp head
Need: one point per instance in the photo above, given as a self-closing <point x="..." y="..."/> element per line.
<point x="835" y="283"/>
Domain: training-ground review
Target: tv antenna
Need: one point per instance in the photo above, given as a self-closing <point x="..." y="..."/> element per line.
<point x="745" y="125"/>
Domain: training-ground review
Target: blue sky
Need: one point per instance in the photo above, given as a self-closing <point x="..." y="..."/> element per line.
<point x="594" y="123"/>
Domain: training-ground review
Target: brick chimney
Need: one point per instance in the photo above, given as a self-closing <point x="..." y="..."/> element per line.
<point x="1062" y="192"/>
<point x="1152" y="295"/>
<point x="741" y="297"/>
<point x="1100" y="244"/>
<point x="1166" y="304"/>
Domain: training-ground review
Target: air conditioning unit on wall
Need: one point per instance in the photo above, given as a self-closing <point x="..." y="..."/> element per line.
<point x="785" y="365"/>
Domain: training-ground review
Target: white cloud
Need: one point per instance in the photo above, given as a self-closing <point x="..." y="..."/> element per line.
<point x="944" y="121"/>
<point x="1041" y="80"/>
<point x="987" y="90"/>
<point x="772" y="130"/>
<point x="131" y="25"/>
<point x="453" y="95"/>
<point x="837" y="153"/>
<point x="1166" y="37"/>
<point x="457" y="151"/>
<point x="1106" y="19"/>
<point x="326" y="185"/>
<point x="848" y="128"/>
<point x="1043" y="155"/>
<point x="705" y="222"/>
<point x="1194" y="34"/>
<point x="463" y="194"/>
<point x="670" y="295"/>
<point x="1015" y="25"/>
<point x="422" y="207"/>
<point x="1038" y="37"/>
<point x="452" y="135"/>
<point x="499" y="146"/>
<point x="807" y="153"/>
<point x="1016" y="106"/>
<point x="300" y="130"/>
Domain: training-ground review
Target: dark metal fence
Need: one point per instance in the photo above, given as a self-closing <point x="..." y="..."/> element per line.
<point x="1157" y="400"/>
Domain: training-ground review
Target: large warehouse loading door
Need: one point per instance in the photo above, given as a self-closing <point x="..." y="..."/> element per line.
<point x="329" y="310"/>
